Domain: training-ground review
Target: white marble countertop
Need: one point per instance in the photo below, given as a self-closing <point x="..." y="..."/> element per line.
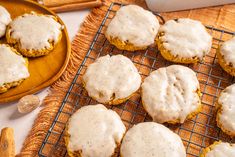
<point x="22" y="123"/>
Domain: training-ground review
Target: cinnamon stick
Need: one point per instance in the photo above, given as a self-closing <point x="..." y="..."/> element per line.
<point x="53" y="3"/>
<point x="7" y="143"/>
<point x="70" y="5"/>
<point x="76" y="6"/>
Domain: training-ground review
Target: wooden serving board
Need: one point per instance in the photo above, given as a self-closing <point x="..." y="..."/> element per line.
<point x="43" y="70"/>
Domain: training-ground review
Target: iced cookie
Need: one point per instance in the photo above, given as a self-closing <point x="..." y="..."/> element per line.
<point x="151" y="139"/>
<point x="226" y="56"/>
<point x="94" y="131"/>
<point x="132" y="28"/>
<point x="184" y="41"/>
<point x="13" y="68"/>
<point x="5" y="19"/>
<point x="111" y="79"/>
<point x="219" y="149"/>
<point x="171" y="94"/>
<point x="226" y="110"/>
<point x="34" y="34"/>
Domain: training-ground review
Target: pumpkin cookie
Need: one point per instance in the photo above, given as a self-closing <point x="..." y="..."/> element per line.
<point x="226" y="110"/>
<point x="13" y="68"/>
<point x="5" y="19"/>
<point x="111" y="79"/>
<point x="151" y="139"/>
<point x="94" y="131"/>
<point x="34" y="34"/>
<point x="226" y="56"/>
<point x="133" y="28"/>
<point x="184" y="41"/>
<point x="219" y="149"/>
<point x="171" y="94"/>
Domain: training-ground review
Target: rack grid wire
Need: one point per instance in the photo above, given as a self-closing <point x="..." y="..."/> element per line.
<point x="196" y="134"/>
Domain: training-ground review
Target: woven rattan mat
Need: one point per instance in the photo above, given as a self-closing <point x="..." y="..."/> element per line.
<point x="221" y="17"/>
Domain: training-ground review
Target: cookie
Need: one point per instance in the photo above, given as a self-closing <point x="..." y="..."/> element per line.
<point x="5" y="19"/>
<point x="226" y="110"/>
<point x="151" y="139"/>
<point x="184" y="41"/>
<point x="13" y="68"/>
<point x="226" y="56"/>
<point x="132" y="28"/>
<point x="171" y="94"/>
<point x="219" y="149"/>
<point x="94" y="131"/>
<point x="111" y="79"/>
<point x="34" y="34"/>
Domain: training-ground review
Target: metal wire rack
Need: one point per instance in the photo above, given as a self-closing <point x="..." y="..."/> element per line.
<point x="197" y="133"/>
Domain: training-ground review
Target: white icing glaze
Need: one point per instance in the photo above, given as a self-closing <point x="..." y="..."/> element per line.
<point x="151" y="139"/>
<point x="35" y="31"/>
<point x="111" y="75"/>
<point x="95" y="131"/>
<point x="135" y="25"/>
<point x="222" y="150"/>
<point x="5" y="19"/>
<point x="170" y="93"/>
<point x="228" y="51"/>
<point x="227" y="99"/>
<point x="186" y="38"/>
<point x="12" y="66"/>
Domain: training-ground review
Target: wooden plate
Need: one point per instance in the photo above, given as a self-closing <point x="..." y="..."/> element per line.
<point x="43" y="70"/>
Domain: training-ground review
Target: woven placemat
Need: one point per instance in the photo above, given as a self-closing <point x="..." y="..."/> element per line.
<point x="220" y="17"/>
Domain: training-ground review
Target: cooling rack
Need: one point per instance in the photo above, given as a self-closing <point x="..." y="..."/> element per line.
<point x="196" y="134"/>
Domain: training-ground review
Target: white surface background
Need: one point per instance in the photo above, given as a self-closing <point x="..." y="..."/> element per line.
<point x="22" y="123"/>
<point x="174" y="5"/>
